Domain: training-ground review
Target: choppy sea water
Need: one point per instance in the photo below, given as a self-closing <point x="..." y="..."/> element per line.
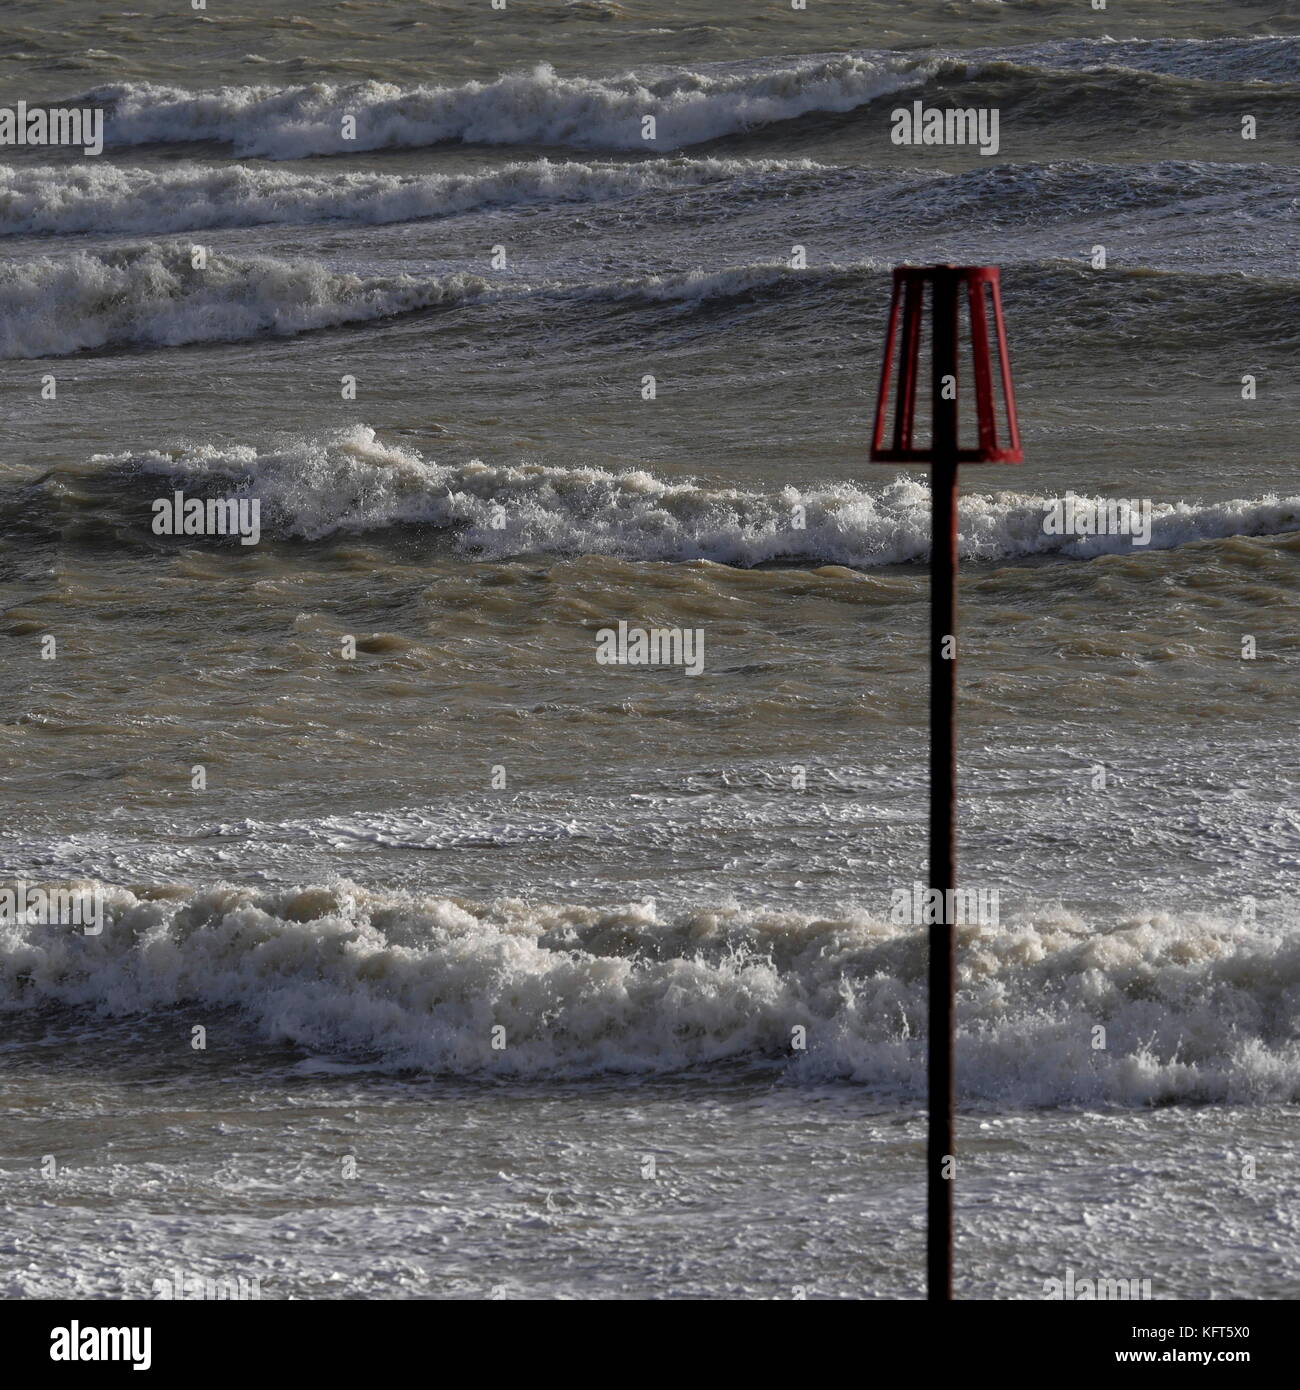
<point x="649" y="881"/>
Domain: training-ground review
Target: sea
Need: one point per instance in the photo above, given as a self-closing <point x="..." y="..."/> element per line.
<point x="438" y="958"/>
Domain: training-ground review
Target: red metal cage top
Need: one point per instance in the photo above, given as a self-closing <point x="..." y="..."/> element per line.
<point x="982" y="286"/>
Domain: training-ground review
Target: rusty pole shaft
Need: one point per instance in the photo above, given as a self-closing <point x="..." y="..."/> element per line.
<point x="940" y="1147"/>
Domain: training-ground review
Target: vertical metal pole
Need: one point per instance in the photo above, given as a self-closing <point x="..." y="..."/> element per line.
<point x="943" y="785"/>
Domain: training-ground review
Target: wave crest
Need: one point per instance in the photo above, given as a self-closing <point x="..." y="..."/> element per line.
<point x="537" y="107"/>
<point x="350" y="480"/>
<point x="109" y="198"/>
<point x="1192" y="1010"/>
<point x="155" y="297"/>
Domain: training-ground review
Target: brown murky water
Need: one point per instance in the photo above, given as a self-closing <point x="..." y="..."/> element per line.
<point x="360" y="794"/>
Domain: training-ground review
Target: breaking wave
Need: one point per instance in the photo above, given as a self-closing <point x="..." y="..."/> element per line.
<point x="155" y="297"/>
<point x="537" y="107"/>
<point x="1193" y="1010"/>
<point x="349" y="480"/>
<point x="540" y="107"/>
<point x="108" y="198"/>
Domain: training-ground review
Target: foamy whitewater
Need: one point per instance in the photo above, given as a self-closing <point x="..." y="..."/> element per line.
<point x="541" y="107"/>
<point x="1196" y="1011"/>
<point x="535" y="108"/>
<point x="106" y="198"/>
<point x="157" y="296"/>
<point x="523" y="329"/>
<point x="351" y="481"/>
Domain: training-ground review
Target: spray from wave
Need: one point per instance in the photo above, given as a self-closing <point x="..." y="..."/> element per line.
<point x="349" y="480"/>
<point x="1192" y="1010"/>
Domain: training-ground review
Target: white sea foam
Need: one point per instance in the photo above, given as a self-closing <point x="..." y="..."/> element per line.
<point x="96" y="197"/>
<point x="537" y="107"/>
<point x="350" y="480"/>
<point x="1193" y="1009"/>
<point x="154" y="296"/>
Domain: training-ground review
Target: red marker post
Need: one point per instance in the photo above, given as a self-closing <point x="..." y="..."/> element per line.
<point x="949" y="292"/>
